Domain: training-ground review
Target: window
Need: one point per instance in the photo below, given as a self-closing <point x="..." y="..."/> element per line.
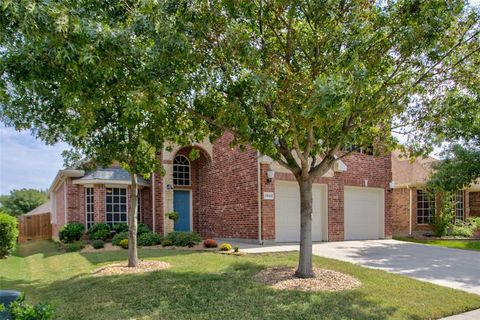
<point x="354" y="148"/>
<point x="459" y="206"/>
<point x="181" y="171"/>
<point x="425" y="207"/>
<point x="116" y="205"/>
<point x="89" y="220"/>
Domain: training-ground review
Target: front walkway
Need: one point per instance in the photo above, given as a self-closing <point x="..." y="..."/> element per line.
<point x="452" y="268"/>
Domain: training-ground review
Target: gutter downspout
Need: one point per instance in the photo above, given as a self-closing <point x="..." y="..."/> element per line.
<point x="153" y="202"/>
<point x="259" y="185"/>
<point x="410" y="210"/>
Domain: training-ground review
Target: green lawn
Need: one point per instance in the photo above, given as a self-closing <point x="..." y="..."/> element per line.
<point x="202" y="285"/>
<point x="457" y="244"/>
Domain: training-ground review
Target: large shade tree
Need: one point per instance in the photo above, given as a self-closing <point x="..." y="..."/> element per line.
<point x="21" y="201"/>
<point x="302" y="81"/>
<point x="102" y="76"/>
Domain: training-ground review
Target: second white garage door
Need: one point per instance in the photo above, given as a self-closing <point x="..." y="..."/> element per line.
<point x="364" y="213"/>
<point x="287" y="212"/>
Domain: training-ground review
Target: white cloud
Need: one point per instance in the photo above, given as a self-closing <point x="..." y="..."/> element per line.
<point x="26" y="162"/>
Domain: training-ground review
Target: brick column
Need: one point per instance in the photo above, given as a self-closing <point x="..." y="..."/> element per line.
<point x="335" y="210"/>
<point x="268" y="206"/>
<point x="99" y="203"/>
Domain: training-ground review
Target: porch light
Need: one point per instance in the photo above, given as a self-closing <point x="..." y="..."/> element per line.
<point x="270" y="175"/>
<point x="391" y="185"/>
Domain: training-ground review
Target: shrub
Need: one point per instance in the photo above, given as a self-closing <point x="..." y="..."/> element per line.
<point x="71" y="232"/>
<point x="98" y="244"/>
<point x="8" y="234"/>
<point x="99" y="231"/>
<point x="20" y="310"/>
<point x="184" y="239"/>
<point x="172" y="216"/>
<point x="120" y="227"/>
<point x="74" y="246"/>
<point x="167" y="243"/>
<point x="210" y="243"/>
<point x="124" y="243"/>
<point x="474" y="222"/>
<point x="236" y="249"/>
<point x="142" y="228"/>
<point x="149" y="239"/>
<point x="444" y="220"/>
<point x="461" y="230"/>
<point x="225" y="247"/>
<point x="119" y="237"/>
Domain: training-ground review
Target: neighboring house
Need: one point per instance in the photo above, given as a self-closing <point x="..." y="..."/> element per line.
<point x="413" y="208"/>
<point x="41" y="209"/>
<point x="228" y="193"/>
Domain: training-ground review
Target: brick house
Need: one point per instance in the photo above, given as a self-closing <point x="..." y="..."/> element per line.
<point x="229" y="193"/>
<point x="413" y="208"/>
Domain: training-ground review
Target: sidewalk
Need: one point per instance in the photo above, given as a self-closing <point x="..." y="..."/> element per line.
<point x="471" y="315"/>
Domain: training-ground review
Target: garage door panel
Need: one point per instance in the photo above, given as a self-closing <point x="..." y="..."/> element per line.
<point x="364" y="212"/>
<point x="287" y="212"/>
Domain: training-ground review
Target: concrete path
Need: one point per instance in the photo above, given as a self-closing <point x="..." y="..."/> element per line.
<point x="471" y="315"/>
<point x="454" y="268"/>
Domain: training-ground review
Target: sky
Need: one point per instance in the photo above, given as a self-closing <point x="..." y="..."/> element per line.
<point x="26" y="162"/>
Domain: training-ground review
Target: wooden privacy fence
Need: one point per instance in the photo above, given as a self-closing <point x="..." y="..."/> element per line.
<point x="35" y="227"/>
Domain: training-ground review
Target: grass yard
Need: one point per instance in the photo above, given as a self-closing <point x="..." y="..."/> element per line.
<point x="457" y="244"/>
<point x="203" y="285"/>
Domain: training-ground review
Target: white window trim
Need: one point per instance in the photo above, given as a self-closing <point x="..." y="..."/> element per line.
<point x="434" y="207"/>
<point x="126" y="201"/>
<point x="86" y="205"/>
<point x="183" y="165"/>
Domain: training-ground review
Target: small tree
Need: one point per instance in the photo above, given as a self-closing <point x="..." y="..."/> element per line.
<point x="22" y="201"/>
<point x="106" y="77"/>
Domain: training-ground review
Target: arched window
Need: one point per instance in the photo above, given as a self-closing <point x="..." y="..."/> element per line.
<point x="181" y="171"/>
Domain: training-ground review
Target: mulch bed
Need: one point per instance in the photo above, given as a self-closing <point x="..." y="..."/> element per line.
<point x="108" y="247"/>
<point x="283" y="278"/>
<point x="121" y="268"/>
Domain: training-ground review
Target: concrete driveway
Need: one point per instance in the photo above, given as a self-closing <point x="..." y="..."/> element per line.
<point x="454" y="268"/>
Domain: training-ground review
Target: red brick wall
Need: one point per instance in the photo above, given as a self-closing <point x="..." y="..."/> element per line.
<point x="228" y="191"/>
<point x="157" y="181"/>
<point x="401" y="211"/>
<point x="146" y="200"/>
<point x="268" y="206"/>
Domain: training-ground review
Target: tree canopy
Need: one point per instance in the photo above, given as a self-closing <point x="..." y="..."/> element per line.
<point x="308" y="82"/>
<point x="21" y="201"/>
<point x="108" y="78"/>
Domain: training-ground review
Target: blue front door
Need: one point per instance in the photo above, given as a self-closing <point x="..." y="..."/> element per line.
<point x="181" y="204"/>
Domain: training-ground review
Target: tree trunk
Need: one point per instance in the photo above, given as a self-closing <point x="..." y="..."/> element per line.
<point x="132" y="222"/>
<point x="305" y="267"/>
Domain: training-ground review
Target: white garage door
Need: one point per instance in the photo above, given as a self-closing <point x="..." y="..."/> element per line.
<point x="364" y="213"/>
<point x="287" y="212"/>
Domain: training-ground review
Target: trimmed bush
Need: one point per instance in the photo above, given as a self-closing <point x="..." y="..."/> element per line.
<point x="8" y="234"/>
<point x="20" y="310"/>
<point x="142" y="228"/>
<point x="120" y="227"/>
<point x="167" y="243"/>
<point x="236" y="249"/>
<point x="119" y="237"/>
<point x="210" y="243"/>
<point x="99" y="231"/>
<point x="71" y="232"/>
<point x="98" y="244"/>
<point x="74" y="246"/>
<point x="225" y="247"/>
<point x="184" y="239"/>
<point x="149" y="239"/>
<point x="124" y="243"/>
